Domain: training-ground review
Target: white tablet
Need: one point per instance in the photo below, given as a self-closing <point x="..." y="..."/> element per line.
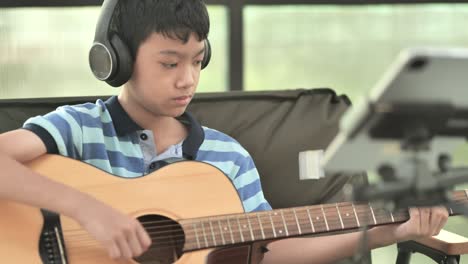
<point x="418" y="75"/>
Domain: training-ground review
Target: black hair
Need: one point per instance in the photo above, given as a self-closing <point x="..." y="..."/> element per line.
<point x="136" y="20"/>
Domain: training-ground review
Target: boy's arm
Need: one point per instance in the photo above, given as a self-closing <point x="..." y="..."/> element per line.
<point x="122" y="236"/>
<point x="423" y="222"/>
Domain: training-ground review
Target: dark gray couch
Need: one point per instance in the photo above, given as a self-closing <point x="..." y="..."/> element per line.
<point x="274" y="126"/>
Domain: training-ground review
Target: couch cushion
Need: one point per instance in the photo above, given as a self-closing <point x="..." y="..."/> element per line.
<point x="274" y="126"/>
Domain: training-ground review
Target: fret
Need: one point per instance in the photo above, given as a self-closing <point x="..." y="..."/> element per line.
<point x="297" y="221"/>
<point x="272" y="225"/>
<point x="325" y="218"/>
<point x="212" y="232"/>
<point x="196" y="234"/>
<point x="230" y="230"/>
<point x="364" y="214"/>
<point x="334" y="220"/>
<point x="355" y="214"/>
<point x="226" y="230"/>
<point x="279" y="223"/>
<point x="401" y="215"/>
<point x="268" y="224"/>
<point x="246" y="227"/>
<point x="204" y="234"/>
<point x="373" y="215"/>
<point x="382" y="215"/>
<point x="261" y="226"/>
<point x="250" y="228"/>
<point x="284" y="223"/>
<point x="221" y="232"/>
<point x="256" y="229"/>
<point x="341" y="219"/>
<point x="347" y="214"/>
<point x="240" y="229"/>
<point x="310" y="220"/>
<point x="318" y="219"/>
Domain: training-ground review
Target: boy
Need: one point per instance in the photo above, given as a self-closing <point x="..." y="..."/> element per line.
<point x="127" y="135"/>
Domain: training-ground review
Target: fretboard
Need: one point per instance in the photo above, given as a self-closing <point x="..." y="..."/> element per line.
<point x="224" y="230"/>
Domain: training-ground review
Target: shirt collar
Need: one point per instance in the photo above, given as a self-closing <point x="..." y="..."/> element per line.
<point x="125" y="125"/>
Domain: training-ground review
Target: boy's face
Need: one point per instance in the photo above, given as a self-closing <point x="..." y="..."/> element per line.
<point x="166" y="74"/>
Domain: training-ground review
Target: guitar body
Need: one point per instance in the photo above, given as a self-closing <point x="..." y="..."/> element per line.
<point x="182" y="190"/>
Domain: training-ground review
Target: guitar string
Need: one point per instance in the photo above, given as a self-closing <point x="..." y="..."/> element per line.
<point x="170" y="243"/>
<point x="86" y="253"/>
<point x="301" y="218"/>
<point x="190" y="232"/>
<point x="320" y="227"/>
<point x="300" y="214"/>
<point x="358" y="208"/>
<point x="250" y="216"/>
<point x="204" y="240"/>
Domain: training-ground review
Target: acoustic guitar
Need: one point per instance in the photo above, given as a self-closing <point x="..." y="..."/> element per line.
<point x="190" y="209"/>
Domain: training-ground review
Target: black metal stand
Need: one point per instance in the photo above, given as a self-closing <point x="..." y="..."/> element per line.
<point x="413" y="183"/>
<point x="420" y="187"/>
<point x="405" y="249"/>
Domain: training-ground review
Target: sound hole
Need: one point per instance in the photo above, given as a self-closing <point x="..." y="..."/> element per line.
<point x="167" y="240"/>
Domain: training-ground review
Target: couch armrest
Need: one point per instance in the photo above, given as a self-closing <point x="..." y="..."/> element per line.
<point x="447" y="242"/>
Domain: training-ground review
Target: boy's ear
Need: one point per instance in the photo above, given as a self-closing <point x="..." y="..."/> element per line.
<point x="124" y="63"/>
<point x="109" y="57"/>
<point x="207" y="56"/>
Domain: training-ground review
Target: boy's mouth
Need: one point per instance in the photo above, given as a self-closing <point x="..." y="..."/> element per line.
<point x="183" y="100"/>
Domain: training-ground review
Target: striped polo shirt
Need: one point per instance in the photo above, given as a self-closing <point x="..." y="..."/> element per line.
<point x="103" y="135"/>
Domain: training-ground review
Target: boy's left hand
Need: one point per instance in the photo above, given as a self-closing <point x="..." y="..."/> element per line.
<point x="423" y="222"/>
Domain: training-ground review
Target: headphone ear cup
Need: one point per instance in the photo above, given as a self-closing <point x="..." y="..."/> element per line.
<point x="207" y="56"/>
<point x="124" y="62"/>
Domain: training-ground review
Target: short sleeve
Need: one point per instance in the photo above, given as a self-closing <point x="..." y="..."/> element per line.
<point x="60" y="131"/>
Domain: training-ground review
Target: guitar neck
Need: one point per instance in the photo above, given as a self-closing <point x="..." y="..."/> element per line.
<point x="235" y="229"/>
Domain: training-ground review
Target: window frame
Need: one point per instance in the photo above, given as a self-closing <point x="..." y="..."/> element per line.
<point x="235" y="14"/>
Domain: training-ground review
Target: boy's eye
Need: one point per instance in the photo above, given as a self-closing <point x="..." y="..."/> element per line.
<point x="169" y="65"/>
<point x="198" y="62"/>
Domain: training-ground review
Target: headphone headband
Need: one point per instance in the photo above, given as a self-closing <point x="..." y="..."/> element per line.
<point x="109" y="57"/>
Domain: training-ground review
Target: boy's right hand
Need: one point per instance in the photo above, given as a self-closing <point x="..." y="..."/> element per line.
<point x="123" y="236"/>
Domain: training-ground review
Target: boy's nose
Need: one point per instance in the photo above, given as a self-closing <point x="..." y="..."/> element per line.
<point x="186" y="78"/>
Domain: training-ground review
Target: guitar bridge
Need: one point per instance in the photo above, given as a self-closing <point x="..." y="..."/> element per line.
<point x="51" y="243"/>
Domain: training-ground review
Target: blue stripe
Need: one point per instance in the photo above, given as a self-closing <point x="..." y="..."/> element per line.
<point x="75" y="128"/>
<point x="118" y="171"/>
<point x="222" y="146"/>
<point x="97" y="151"/>
<point x="253" y="202"/>
<point x="250" y="190"/>
<point x="227" y="167"/>
<point x="92" y="121"/>
<point x="130" y="163"/>
<point x="65" y="132"/>
<point x="94" y="151"/>
<point x="212" y="134"/>
<point x="235" y="157"/>
<point x="52" y="129"/>
<point x="70" y="112"/>
<point x="265" y="206"/>
<point x="246" y="178"/>
<point x="89" y="106"/>
<point x="94" y="112"/>
<point x="124" y="144"/>
<point x="107" y="128"/>
<point x="232" y="170"/>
